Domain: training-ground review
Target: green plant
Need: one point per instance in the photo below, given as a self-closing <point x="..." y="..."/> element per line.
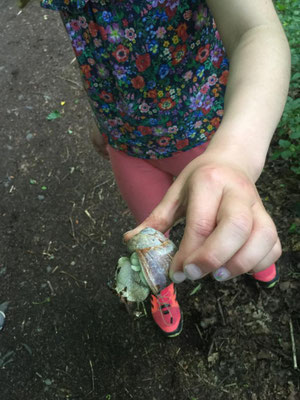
<point x="288" y="147"/>
<point x="289" y="133"/>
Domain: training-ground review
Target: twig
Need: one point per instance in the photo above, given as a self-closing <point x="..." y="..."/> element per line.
<point x="55" y="269"/>
<point x="144" y="309"/>
<point x="211" y="347"/>
<point x="293" y="345"/>
<point x="198" y="329"/>
<point x="70" y="80"/>
<point x="72" y="169"/>
<point x="47" y="252"/>
<point x="221" y="312"/>
<point x="51" y="288"/>
<point x="126" y="390"/>
<point x="101" y="184"/>
<point x="90" y="217"/>
<point x="233" y="299"/>
<point x="93" y="377"/>
<point x="72" y="276"/>
<point x="107" y="180"/>
<point x="72" y="226"/>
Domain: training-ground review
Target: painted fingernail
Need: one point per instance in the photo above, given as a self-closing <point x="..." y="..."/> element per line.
<point x="193" y="272"/>
<point x="222" y="274"/>
<point x="178" y="277"/>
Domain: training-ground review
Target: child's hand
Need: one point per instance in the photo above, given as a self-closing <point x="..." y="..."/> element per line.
<point x="98" y="141"/>
<point x="226" y="223"/>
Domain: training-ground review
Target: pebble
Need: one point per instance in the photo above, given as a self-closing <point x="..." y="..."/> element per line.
<point x="29" y="136"/>
<point x="41" y="197"/>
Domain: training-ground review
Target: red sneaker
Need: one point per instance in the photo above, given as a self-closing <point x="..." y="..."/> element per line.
<point x="267" y="278"/>
<point x="166" y="311"/>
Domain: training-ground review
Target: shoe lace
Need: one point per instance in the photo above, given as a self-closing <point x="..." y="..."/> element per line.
<point x="164" y="301"/>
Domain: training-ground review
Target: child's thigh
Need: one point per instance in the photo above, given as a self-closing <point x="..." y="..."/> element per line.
<point x="141" y="185"/>
<point x="175" y="164"/>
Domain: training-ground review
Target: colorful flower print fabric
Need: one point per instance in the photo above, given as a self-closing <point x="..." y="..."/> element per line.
<point x="155" y="71"/>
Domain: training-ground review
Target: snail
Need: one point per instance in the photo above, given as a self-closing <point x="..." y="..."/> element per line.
<point x="3" y="308"/>
<point x="147" y="268"/>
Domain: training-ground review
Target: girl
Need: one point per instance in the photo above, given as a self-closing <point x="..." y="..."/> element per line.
<point x="156" y="72"/>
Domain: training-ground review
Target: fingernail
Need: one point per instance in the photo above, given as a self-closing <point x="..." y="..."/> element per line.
<point x="125" y="235"/>
<point x="127" y="232"/>
<point x="193" y="272"/>
<point x="222" y="274"/>
<point x="178" y="277"/>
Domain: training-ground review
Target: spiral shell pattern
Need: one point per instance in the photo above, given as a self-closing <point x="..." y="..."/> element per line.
<point x="155" y="253"/>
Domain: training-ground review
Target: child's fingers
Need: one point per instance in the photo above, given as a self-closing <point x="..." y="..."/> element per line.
<point x="259" y="246"/>
<point x="270" y="258"/>
<point x="163" y="216"/>
<point x="203" y="205"/>
<point x="234" y="225"/>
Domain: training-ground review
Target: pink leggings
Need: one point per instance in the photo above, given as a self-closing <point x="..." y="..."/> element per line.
<point x="143" y="183"/>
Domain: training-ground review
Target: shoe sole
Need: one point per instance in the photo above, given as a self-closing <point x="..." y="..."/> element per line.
<point x="177" y="332"/>
<point x="270" y="284"/>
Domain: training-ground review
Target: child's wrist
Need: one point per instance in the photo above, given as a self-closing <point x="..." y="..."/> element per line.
<point x="250" y="162"/>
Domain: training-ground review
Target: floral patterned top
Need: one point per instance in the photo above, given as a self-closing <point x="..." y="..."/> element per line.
<point x="155" y="71"/>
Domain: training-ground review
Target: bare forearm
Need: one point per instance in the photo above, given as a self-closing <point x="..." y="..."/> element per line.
<point x="255" y="96"/>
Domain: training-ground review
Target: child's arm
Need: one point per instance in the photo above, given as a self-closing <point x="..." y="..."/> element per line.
<point x="226" y="220"/>
<point x="258" y="81"/>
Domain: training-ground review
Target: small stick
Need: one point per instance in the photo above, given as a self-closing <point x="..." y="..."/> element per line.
<point x="69" y="80"/>
<point x="293" y="345"/>
<point x="93" y="377"/>
<point x="144" y="309"/>
<point x="107" y="180"/>
<point x="22" y="325"/>
<point x="211" y="347"/>
<point x="198" y="329"/>
<point x="72" y="226"/>
<point x="221" y="312"/>
<point x="178" y="350"/>
<point x="55" y="269"/>
<point x="72" y="276"/>
<point x="47" y="252"/>
<point x="90" y="217"/>
<point x="126" y="390"/>
<point x="51" y="288"/>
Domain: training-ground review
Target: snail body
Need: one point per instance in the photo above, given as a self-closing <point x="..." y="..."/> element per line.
<point x="147" y="269"/>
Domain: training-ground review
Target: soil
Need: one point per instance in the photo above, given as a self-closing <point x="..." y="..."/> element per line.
<point x="66" y="335"/>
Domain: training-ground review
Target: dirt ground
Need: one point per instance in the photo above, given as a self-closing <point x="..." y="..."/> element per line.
<point x="66" y="335"/>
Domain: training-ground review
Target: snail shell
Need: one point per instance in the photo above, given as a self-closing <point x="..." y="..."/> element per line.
<point x="155" y="253"/>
